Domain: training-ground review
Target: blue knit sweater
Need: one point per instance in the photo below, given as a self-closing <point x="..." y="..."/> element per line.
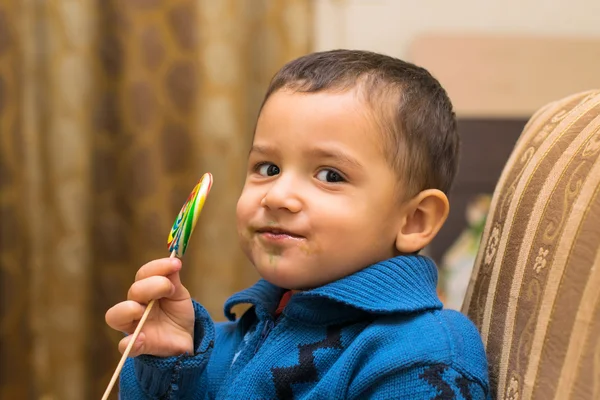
<point x="380" y="333"/>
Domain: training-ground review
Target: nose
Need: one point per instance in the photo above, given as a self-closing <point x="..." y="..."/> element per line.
<point x="283" y="194"/>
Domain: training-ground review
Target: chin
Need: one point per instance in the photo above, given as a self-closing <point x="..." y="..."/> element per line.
<point x="285" y="276"/>
<point x="277" y="278"/>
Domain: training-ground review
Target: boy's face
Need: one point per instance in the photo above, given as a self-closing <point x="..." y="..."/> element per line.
<point x="320" y="201"/>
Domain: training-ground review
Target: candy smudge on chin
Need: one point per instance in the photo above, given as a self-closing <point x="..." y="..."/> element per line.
<point x="274" y="255"/>
<point x="246" y="233"/>
<point x="309" y="250"/>
<point x="305" y="249"/>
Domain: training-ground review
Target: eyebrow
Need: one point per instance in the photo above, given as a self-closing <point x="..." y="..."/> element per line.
<point x="335" y="155"/>
<point x="262" y="149"/>
<point x="319" y="152"/>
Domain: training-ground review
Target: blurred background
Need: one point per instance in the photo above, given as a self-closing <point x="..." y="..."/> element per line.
<point x="110" y="110"/>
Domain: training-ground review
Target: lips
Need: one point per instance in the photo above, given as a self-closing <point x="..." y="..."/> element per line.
<point x="278" y="232"/>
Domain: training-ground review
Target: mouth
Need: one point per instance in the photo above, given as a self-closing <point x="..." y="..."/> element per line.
<point x="273" y="233"/>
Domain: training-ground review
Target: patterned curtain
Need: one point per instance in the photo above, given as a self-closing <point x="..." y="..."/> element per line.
<point x="110" y="111"/>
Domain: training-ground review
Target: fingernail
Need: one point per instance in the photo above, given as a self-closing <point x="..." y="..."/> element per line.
<point x="176" y="262"/>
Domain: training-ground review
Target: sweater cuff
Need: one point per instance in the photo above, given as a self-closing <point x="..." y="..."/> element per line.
<point x="159" y="375"/>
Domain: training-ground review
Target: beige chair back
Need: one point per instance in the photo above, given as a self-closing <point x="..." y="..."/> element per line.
<point x="535" y="289"/>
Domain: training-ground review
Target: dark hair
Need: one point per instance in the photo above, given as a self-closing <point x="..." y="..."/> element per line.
<point x="411" y="107"/>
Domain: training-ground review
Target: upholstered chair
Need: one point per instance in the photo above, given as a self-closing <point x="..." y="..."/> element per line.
<point x="535" y="289"/>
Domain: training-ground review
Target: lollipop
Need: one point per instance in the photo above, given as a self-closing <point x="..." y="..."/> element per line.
<point x="178" y="240"/>
<point x="186" y="219"/>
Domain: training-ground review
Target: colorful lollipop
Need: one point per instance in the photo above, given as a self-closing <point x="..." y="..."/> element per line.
<point x="178" y="240"/>
<point x="186" y="219"/>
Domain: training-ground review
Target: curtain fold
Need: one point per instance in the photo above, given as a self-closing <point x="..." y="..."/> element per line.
<point x="110" y="111"/>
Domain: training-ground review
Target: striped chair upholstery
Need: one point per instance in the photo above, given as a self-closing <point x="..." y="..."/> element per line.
<point x="535" y="289"/>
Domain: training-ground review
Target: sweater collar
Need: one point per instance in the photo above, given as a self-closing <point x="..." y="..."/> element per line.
<point x="403" y="284"/>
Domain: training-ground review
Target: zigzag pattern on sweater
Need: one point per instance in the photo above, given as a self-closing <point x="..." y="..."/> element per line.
<point x="434" y="376"/>
<point x="305" y="371"/>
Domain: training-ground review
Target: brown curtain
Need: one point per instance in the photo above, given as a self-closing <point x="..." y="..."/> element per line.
<point x="110" y="111"/>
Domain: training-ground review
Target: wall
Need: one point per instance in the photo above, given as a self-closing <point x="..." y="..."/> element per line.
<point x="391" y="25"/>
<point x="495" y="58"/>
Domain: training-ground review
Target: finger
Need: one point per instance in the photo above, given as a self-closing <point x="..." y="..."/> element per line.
<point x="180" y="292"/>
<point x="161" y="267"/>
<point x="138" y="346"/>
<point x="168" y="267"/>
<point x="154" y="287"/>
<point x="124" y="316"/>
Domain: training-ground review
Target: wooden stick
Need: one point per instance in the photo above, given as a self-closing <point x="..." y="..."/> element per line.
<point x="129" y="346"/>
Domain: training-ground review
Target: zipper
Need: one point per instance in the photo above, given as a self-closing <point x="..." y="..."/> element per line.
<point x="267" y="328"/>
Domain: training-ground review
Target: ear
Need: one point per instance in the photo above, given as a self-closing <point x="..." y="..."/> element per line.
<point x="423" y="218"/>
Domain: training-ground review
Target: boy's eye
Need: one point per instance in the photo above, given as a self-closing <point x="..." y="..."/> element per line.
<point x="268" y="169"/>
<point x="330" y="176"/>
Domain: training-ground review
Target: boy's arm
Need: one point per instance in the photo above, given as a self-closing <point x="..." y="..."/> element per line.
<point x="426" y="382"/>
<point x="149" y="377"/>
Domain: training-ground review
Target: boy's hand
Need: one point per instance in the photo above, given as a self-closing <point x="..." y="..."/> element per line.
<point x="169" y="329"/>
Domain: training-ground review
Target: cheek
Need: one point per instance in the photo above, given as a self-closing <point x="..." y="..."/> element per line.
<point x="248" y="205"/>
<point x="339" y="217"/>
<point x="243" y="215"/>
<point x="243" y="208"/>
<point x="355" y="218"/>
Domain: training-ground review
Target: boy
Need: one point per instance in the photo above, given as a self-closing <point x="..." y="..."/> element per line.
<point x="352" y="157"/>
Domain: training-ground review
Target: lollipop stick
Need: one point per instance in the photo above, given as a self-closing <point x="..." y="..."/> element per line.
<point x="129" y="346"/>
